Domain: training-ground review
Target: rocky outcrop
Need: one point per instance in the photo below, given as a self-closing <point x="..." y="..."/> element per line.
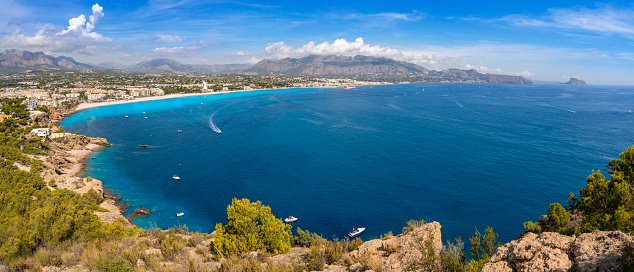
<point x="548" y="251"/>
<point x="574" y="81"/>
<point x="138" y="213"/>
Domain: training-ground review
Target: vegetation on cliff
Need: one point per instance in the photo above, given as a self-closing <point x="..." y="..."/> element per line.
<point x="251" y="227"/>
<point x="605" y="204"/>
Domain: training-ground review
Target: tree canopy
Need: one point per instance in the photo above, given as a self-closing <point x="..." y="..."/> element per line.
<point x="251" y="226"/>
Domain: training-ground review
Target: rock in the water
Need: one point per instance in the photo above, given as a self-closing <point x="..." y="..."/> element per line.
<point x="142" y="211"/>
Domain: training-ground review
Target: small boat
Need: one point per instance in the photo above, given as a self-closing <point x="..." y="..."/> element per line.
<point x="176" y="177"/>
<point x="145" y="117"/>
<point x="126" y="116"/>
<point x="143" y="145"/>
<point x="180" y="214"/>
<point x="356" y="232"/>
<point x="350" y="87"/>
<point x="290" y="219"/>
<point x="180" y="131"/>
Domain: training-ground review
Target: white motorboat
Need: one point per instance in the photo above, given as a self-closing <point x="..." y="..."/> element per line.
<point x="180" y="214"/>
<point x="176" y="177"/>
<point x="290" y="219"/>
<point x="356" y="231"/>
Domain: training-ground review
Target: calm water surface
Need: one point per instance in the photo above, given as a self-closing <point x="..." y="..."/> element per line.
<point x="465" y="155"/>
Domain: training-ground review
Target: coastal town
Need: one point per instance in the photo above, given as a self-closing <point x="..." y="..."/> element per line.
<point x="50" y="89"/>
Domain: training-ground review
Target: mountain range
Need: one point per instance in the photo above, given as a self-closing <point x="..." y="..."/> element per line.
<point x="14" y="60"/>
<point x="359" y="67"/>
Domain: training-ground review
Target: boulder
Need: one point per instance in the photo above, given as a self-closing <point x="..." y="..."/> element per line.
<point x="549" y="251"/>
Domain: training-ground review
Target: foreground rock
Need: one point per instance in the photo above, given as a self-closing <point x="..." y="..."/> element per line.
<point x="549" y="251"/>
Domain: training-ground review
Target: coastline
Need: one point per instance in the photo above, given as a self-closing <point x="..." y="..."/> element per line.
<point x="85" y="105"/>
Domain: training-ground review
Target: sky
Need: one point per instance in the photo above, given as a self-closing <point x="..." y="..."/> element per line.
<point x="540" y="40"/>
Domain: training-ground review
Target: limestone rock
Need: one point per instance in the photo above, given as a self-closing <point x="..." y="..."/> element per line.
<point x="549" y="251"/>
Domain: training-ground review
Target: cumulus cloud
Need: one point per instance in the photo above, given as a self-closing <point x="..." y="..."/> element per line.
<point x="80" y="28"/>
<point x="166" y="38"/>
<point x="240" y="53"/>
<point x="97" y="14"/>
<point x="342" y="47"/>
<point x="524" y="74"/>
<point x="78" y="37"/>
<point x="482" y="69"/>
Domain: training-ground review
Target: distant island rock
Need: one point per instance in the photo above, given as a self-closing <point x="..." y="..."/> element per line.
<point x="574" y="81"/>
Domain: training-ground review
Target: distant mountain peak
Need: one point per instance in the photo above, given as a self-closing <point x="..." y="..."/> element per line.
<point x="331" y="65"/>
<point x="373" y="68"/>
<point x="18" y="60"/>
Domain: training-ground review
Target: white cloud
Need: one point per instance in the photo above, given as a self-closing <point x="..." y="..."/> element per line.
<point x="182" y="50"/>
<point x="253" y="60"/>
<point x="524" y="74"/>
<point x="602" y="19"/>
<point x="166" y="38"/>
<point x="76" y="26"/>
<point x="175" y="50"/>
<point x="78" y="37"/>
<point x="240" y="53"/>
<point x="97" y="14"/>
<point x="280" y="50"/>
<point x="482" y="69"/>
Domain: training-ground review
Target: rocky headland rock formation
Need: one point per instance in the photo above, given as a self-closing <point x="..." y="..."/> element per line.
<point x="574" y="81"/>
<point x="65" y="163"/>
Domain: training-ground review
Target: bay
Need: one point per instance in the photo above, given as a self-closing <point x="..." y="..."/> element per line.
<point x="465" y="155"/>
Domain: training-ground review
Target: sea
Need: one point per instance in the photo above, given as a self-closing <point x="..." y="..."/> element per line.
<point x="466" y="155"/>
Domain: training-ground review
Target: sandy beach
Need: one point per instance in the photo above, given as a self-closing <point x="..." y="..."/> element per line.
<point x="150" y="98"/>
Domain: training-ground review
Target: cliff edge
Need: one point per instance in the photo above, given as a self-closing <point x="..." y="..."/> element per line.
<point x="550" y="251"/>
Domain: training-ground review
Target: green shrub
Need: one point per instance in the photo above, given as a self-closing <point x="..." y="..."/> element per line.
<point x="113" y="264"/>
<point x="251" y="227"/>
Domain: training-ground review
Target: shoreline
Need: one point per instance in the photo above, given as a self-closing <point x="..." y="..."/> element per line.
<point x="85" y="105"/>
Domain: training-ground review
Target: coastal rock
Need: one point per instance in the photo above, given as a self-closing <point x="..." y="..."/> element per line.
<point x="574" y="81"/>
<point x="549" y="251"/>
<point x="142" y="211"/>
<point x="600" y="250"/>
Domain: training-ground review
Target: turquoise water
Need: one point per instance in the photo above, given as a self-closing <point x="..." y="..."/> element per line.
<point x="465" y="155"/>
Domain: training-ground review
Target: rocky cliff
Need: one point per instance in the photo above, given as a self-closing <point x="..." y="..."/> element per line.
<point x="549" y="251"/>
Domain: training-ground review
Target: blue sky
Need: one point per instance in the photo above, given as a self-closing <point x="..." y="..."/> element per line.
<point x="541" y="40"/>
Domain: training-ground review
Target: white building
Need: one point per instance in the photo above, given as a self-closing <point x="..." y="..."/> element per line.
<point x="42" y="132"/>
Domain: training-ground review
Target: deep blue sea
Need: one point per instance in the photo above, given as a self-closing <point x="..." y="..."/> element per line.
<point x="465" y="155"/>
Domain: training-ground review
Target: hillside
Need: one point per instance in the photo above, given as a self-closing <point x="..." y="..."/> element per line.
<point x="17" y="60"/>
<point x="336" y="66"/>
<point x="168" y="66"/>
<point x="372" y="68"/>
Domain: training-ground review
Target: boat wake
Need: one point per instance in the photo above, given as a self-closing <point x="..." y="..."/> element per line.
<point x="213" y="125"/>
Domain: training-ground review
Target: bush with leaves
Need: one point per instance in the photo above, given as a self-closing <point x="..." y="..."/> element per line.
<point x="251" y="227"/>
<point x="482" y="248"/>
